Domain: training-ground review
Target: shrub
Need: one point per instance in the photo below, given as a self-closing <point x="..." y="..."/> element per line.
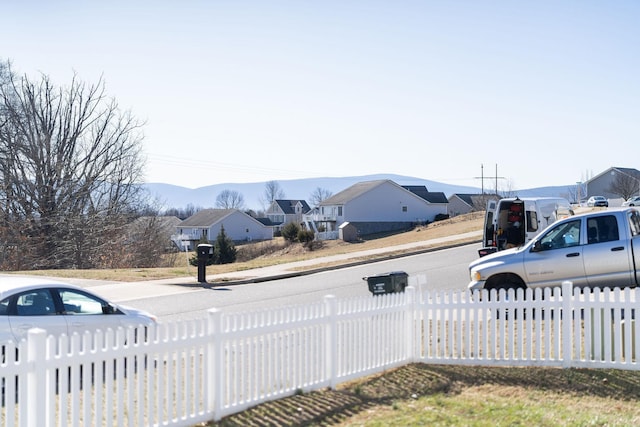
<point x="306" y="238"/>
<point x="290" y="232"/>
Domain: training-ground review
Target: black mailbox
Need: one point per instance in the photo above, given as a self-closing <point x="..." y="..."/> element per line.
<point x="205" y="254"/>
<point x="387" y="283"/>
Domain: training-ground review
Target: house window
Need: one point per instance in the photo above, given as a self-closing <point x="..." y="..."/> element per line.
<point x="205" y="232"/>
<point x="339" y="210"/>
<point x="404" y="209"/>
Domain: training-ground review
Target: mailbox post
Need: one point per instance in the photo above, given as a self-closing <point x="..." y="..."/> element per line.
<point x="205" y="254"/>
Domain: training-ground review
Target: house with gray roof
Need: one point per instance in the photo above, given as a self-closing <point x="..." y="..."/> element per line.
<point x="377" y="206"/>
<point x="282" y="212"/>
<point x="433" y="197"/>
<point x="207" y="223"/>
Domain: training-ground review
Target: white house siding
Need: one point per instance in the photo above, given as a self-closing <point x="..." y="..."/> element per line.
<point x="385" y="203"/>
<point x="239" y="226"/>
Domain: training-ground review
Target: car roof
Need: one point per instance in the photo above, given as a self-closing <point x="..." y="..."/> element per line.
<point x="12" y="284"/>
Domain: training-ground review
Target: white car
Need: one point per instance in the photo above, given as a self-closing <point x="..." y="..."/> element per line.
<point x="59" y="308"/>
<point x="632" y="201"/>
<point x="595" y="201"/>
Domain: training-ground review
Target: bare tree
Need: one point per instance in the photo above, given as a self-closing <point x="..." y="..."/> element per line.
<point x="508" y="190"/>
<point x="272" y="191"/>
<point x="146" y="244"/>
<point x="70" y="164"/>
<point x="230" y="199"/>
<point x="183" y="213"/>
<point x="625" y="185"/>
<point x="319" y="195"/>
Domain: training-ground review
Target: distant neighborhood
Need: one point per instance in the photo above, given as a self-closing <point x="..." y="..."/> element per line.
<point x="376" y="206"/>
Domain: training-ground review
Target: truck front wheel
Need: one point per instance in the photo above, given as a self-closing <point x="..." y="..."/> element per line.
<point x="506" y="282"/>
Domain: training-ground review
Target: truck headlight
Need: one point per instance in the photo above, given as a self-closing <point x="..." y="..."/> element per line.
<point x="476" y="276"/>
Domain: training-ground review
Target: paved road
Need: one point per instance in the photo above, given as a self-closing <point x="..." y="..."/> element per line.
<point x="126" y="291"/>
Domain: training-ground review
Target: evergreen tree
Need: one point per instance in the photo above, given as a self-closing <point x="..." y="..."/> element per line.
<point x="224" y="249"/>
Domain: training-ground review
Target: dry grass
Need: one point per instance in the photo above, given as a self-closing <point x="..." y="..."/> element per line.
<point x="276" y="252"/>
<point x="422" y="394"/>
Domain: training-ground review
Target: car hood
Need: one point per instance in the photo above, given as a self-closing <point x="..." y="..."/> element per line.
<point x="134" y="312"/>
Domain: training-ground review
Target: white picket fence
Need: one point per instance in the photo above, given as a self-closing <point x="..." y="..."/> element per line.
<point x="189" y="372"/>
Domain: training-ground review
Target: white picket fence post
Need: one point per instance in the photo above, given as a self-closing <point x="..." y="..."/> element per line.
<point x="568" y="317"/>
<point x="215" y="385"/>
<point x="331" y="339"/>
<point x="36" y="374"/>
<point x="410" y="323"/>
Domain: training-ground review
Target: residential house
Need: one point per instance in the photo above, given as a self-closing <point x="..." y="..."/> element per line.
<point x="601" y="184"/>
<point x="207" y="223"/>
<point x="282" y="212"/>
<point x="460" y="203"/>
<point x="377" y="206"/>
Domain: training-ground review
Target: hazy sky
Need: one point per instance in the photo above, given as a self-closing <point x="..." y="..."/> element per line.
<point x="251" y="91"/>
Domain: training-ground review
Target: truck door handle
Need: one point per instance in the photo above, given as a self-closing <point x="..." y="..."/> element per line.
<point x="573" y="254"/>
<point x="617" y="248"/>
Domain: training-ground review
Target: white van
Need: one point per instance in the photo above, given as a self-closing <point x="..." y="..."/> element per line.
<point x="512" y="222"/>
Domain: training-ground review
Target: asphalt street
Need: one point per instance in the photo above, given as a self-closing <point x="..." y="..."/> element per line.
<point x="114" y="291"/>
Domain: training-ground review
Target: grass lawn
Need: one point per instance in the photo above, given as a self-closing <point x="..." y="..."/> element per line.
<point x="435" y="395"/>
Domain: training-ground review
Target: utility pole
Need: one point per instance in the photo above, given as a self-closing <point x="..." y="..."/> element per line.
<point x="482" y="177"/>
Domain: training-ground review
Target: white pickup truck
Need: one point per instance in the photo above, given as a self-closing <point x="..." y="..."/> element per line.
<point x="595" y="249"/>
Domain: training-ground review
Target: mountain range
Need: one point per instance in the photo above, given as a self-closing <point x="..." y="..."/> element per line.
<point x="173" y="196"/>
